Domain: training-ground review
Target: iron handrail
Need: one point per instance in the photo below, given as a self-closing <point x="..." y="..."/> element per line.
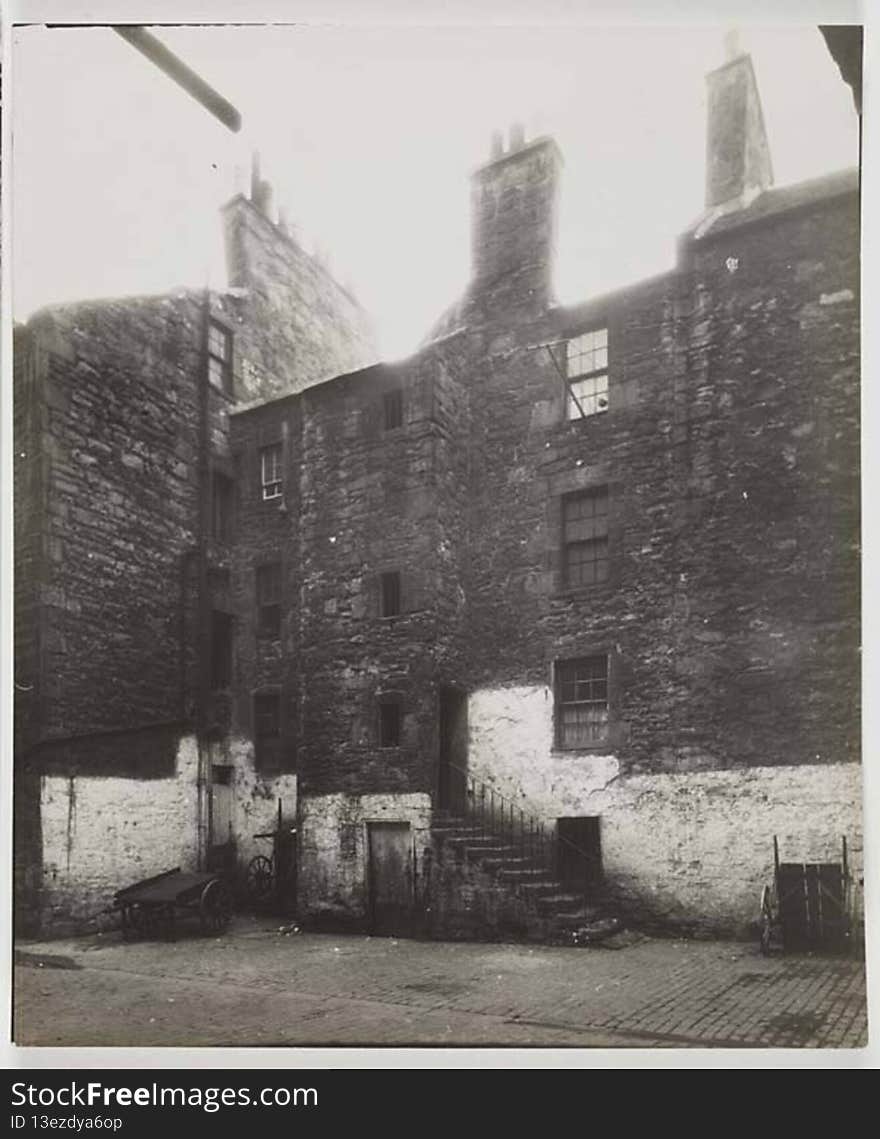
<point x="499" y="817"/>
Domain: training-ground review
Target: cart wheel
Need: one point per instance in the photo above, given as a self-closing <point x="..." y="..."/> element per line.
<point x="260" y="879"/>
<point x="215" y="907"/>
<point x="137" y="923"/>
<point x="766" y="920"/>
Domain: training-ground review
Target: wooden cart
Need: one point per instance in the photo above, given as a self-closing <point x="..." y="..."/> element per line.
<point x="152" y="907"/>
<point x="809" y="906"/>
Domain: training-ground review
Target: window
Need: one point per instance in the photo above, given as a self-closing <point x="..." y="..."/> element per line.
<point x="270" y="471"/>
<point x="390" y="599"/>
<point x="267" y="730"/>
<point x="581" y="691"/>
<point x="221" y="649"/>
<point x="587" y="374"/>
<point x="389" y="723"/>
<point x="221" y="526"/>
<point x="393" y="407"/>
<point x="269" y="600"/>
<point x="585" y="537"/>
<point x="220" y="357"/>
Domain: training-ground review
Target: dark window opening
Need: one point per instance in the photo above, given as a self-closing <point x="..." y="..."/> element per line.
<point x="582" y="702"/>
<point x="221" y="649"/>
<point x="585" y="537"/>
<point x="222" y="505"/>
<point x="269" y="600"/>
<point x="220" y="357"/>
<point x="390" y="594"/>
<point x="270" y="472"/>
<point x="393" y="405"/>
<point x="389" y="723"/>
<point x="267" y="730"/>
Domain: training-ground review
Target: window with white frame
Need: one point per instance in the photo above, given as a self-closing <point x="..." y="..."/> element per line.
<point x="587" y="372"/>
<point x="270" y="471"/>
<point x="220" y="356"/>
<point x="581" y="692"/>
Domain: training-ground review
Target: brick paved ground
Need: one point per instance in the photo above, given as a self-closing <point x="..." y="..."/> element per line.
<point x="258" y="986"/>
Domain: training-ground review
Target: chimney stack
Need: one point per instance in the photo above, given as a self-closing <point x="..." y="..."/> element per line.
<point x="738" y="162"/>
<point x="514" y="200"/>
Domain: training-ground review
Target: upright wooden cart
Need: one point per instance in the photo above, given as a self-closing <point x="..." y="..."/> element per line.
<point x="809" y="906"/>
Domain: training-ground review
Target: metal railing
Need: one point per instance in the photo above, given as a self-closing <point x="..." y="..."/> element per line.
<point x="494" y="816"/>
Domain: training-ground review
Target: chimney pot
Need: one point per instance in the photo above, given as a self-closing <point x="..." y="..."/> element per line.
<point x="497" y="147"/>
<point x="517" y="136"/>
<point x="732" y="45"/>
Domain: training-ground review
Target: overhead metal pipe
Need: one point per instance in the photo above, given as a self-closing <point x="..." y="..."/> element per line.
<point x="177" y="70"/>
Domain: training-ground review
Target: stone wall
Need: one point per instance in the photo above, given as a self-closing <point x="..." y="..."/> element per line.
<point x="295" y="325"/>
<point x="118" y="387"/>
<point x="360" y="500"/>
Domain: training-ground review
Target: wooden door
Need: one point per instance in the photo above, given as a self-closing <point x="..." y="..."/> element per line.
<point x="579" y="854"/>
<point x="390" y="879"/>
<point x="221" y="843"/>
<point x="453" y="757"/>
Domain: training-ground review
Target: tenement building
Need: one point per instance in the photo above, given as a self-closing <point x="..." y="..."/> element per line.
<point x="572" y="579"/>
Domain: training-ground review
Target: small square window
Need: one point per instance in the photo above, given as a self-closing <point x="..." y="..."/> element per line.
<point x="585" y="537"/>
<point x="389" y="723"/>
<point x="220" y="357"/>
<point x="269" y="600"/>
<point x="581" y="699"/>
<point x="587" y="370"/>
<point x="393" y="407"/>
<point x="390" y="600"/>
<point x="270" y="472"/>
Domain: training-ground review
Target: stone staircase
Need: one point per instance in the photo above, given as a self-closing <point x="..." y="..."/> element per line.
<point x="517" y="866"/>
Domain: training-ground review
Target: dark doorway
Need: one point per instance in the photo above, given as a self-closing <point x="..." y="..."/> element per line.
<point x="579" y="853"/>
<point x="452" y="760"/>
<point x="390" y="879"/>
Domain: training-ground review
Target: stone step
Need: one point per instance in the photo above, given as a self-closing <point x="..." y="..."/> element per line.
<point x="571" y="919"/>
<point x="558" y="902"/>
<point x="509" y="862"/>
<point x="479" y="853"/>
<point x="527" y="873"/>
<point x="540" y="891"/>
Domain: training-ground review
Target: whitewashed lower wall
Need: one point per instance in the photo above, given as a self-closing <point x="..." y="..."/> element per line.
<point x="333" y="847"/>
<point x="690" y="849"/>
<point x="102" y="833"/>
<point x="254" y="798"/>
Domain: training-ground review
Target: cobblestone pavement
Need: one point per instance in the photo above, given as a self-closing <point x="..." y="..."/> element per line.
<point x="259" y="986"/>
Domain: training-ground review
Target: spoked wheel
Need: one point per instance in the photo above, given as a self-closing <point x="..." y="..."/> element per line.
<point x="215" y="907"/>
<point x="766" y="920"/>
<point x="260" y="879"/>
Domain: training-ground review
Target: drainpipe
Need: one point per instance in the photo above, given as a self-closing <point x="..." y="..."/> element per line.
<point x="204" y="605"/>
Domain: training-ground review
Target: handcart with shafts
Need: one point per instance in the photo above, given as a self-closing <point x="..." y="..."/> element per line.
<point x="808" y="906"/>
<point x="153" y="906"/>
<point x="269" y="878"/>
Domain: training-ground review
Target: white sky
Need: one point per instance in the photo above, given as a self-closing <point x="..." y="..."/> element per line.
<point x="369" y="137"/>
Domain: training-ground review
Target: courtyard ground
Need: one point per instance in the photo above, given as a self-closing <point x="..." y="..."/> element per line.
<point x="260" y="984"/>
